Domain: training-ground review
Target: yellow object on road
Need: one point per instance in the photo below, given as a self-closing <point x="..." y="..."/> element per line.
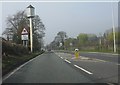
<point x="76" y="53"/>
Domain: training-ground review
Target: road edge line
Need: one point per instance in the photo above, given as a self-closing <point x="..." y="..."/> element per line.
<point x="11" y="73"/>
<point x="104" y="53"/>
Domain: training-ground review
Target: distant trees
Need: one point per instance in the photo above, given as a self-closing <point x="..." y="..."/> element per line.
<point x="17" y="22"/>
<point x="82" y="39"/>
<point x="110" y="37"/>
<point x="62" y="35"/>
<point x="71" y="43"/>
<point x="59" y="41"/>
<point x="86" y="41"/>
<point x="109" y="40"/>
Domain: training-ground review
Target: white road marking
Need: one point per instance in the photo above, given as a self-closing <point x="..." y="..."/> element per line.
<point x="83" y="69"/>
<point x="100" y="60"/>
<point x="61" y="57"/>
<point x="110" y="84"/>
<point x="19" y="68"/>
<point x="58" y="55"/>
<point x="118" y="64"/>
<point x="104" y="53"/>
<point x="67" y="61"/>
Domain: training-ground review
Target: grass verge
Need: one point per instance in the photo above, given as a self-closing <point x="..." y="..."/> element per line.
<point x="10" y="62"/>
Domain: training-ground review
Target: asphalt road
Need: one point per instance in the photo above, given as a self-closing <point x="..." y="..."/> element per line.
<point x="103" y="71"/>
<point x="103" y="56"/>
<point x="47" y="68"/>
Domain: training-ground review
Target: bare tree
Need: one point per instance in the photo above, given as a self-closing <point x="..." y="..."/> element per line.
<point x="18" y="21"/>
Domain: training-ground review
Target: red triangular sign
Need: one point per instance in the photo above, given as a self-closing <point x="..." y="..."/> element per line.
<point x="24" y="31"/>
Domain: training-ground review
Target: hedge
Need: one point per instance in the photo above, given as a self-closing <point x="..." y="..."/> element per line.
<point x="13" y="49"/>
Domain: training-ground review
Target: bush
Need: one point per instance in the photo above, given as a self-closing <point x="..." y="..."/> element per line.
<point x="13" y="55"/>
<point x="12" y="48"/>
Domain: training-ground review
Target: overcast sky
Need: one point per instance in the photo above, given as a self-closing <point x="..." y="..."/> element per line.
<point x="71" y="17"/>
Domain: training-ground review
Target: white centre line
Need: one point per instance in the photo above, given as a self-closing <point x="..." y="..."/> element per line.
<point x="67" y="61"/>
<point x="83" y="69"/>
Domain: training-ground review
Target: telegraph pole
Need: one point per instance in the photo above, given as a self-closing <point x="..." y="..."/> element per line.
<point x="100" y="41"/>
<point x="113" y="23"/>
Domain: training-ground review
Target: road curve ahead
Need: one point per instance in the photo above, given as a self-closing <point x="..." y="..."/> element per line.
<point x="47" y="68"/>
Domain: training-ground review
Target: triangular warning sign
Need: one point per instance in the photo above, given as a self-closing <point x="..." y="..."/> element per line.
<point x="24" y="31"/>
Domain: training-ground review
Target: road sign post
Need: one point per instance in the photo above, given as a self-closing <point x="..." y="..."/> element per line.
<point x="24" y="37"/>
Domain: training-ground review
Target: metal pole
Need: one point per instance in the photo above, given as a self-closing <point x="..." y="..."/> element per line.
<point x="100" y="41"/>
<point x="31" y="37"/>
<point x="113" y="29"/>
<point x="26" y="43"/>
<point x="23" y="42"/>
